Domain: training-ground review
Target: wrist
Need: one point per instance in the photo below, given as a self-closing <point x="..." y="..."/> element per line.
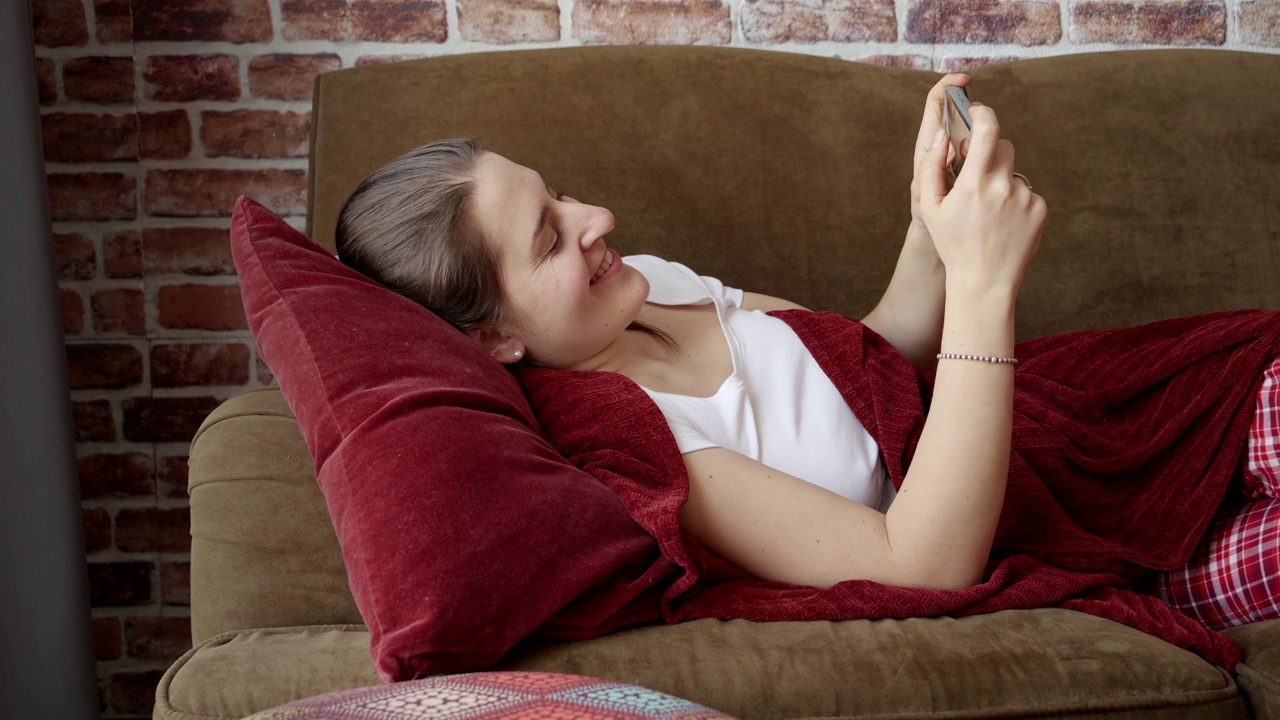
<point x="920" y="242"/>
<point x="978" y="321"/>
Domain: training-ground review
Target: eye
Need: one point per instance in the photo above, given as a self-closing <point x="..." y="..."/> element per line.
<point x="557" y="241"/>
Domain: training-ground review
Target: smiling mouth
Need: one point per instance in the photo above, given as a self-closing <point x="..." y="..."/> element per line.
<point x="605" y="264"/>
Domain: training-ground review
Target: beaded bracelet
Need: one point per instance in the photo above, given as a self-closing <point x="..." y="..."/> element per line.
<point x="982" y="358"/>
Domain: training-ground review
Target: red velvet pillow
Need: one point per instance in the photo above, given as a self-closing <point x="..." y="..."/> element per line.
<point x="462" y="530"/>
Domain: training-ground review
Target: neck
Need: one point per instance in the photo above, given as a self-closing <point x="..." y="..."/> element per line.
<point x="635" y="348"/>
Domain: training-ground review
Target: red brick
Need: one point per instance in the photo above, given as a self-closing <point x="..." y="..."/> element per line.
<point x="402" y="21"/>
<point x="106" y="638"/>
<point x="201" y="307"/>
<point x="119" y="310"/>
<point x="149" y="419"/>
<point x="316" y="19"/>
<point x="1167" y="22"/>
<point x="652" y="22"/>
<point x="184" y="365"/>
<point x="84" y="137"/>
<point x="175" y="583"/>
<point x="92" y="196"/>
<point x="47" y="80"/>
<point x="134" y="693"/>
<point x="75" y="256"/>
<point x="1258" y="22"/>
<point x="234" y="21"/>
<point x="255" y="134"/>
<point x="509" y="21"/>
<point x="99" y="79"/>
<point x="187" y="78"/>
<point x="965" y="64"/>
<point x="288" y="77"/>
<point x="122" y="255"/>
<point x="102" y="365"/>
<point x="153" y="530"/>
<point x="93" y="421"/>
<point x="213" y="193"/>
<point x="116" y="475"/>
<point x="174" y="472"/>
<point x="59" y="23"/>
<point x="775" y="21"/>
<point x="189" y="250"/>
<point x="163" y="639"/>
<point x="1012" y="22"/>
<point x="165" y="135"/>
<point x="97" y="530"/>
<point x="120" y="584"/>
<point x="72" y="312"/>
<point x="115" y="21"/>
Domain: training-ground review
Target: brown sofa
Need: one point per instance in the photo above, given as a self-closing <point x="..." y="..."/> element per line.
<point x="789" y="175"/>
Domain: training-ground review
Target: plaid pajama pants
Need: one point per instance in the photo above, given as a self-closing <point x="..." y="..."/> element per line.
<point x="1234" y="577"/>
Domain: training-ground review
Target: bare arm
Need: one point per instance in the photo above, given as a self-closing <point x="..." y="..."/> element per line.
<point x="938" y="531"/>
<point x="778" y="527"/>
<point x="909" y="315"/>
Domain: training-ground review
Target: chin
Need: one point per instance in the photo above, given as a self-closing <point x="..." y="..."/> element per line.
<point x="635" y="284"/>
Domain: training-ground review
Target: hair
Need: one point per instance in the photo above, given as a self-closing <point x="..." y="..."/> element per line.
<point x="407" y="226"/>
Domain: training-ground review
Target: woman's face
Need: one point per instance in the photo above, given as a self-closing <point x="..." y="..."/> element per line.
<point x="569" y="297"/>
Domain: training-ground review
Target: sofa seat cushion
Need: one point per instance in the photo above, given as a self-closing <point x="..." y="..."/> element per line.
<point x="1016" y="663"/>
<point x="1259" y="671"/>
<point x="495" y="695"/>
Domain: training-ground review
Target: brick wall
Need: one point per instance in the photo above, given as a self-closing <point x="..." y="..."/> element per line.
<point x="158" y="113"/>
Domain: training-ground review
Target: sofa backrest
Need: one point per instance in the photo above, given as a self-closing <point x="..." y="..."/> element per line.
<point x="789" y="174"/>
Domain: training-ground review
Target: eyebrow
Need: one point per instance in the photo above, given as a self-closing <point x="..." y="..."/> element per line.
<point x="542" y="217"/>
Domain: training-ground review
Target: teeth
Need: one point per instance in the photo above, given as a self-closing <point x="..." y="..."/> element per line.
<point x="604" y="266"/>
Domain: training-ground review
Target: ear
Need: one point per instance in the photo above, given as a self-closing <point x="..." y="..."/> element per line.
<point x="501" y="346"/>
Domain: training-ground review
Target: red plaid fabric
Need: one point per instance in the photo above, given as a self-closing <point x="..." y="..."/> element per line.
<point x="1234" y="578"/>
<point x="1262" y="463"/>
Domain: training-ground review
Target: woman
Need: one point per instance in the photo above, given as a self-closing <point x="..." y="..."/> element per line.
<point x="528" y="273"/>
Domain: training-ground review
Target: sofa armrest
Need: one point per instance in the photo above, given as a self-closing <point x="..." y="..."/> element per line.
<point x="263" y="550"/>
<point x="235" y="674"/>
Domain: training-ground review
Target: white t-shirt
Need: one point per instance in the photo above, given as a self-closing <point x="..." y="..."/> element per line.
<point x="777" y="407"/>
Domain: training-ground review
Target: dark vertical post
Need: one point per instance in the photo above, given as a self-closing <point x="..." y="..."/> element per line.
<point x="46" y="659"/>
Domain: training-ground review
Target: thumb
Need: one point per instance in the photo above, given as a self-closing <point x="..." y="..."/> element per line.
<point x="933" y="171"/>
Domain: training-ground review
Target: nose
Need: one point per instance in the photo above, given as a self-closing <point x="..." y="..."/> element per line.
<point x="594" y="222"/>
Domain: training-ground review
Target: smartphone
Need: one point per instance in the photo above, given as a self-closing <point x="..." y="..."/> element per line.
<point x="955" y="120"/>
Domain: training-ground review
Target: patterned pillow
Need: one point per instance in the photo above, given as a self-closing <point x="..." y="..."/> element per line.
<point x="494" y="695"/>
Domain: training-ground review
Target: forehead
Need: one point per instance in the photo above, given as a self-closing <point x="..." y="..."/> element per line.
<point x="507" y="199"/>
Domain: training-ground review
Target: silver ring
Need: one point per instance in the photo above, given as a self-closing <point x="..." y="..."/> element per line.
<point x="1023" y="178"/>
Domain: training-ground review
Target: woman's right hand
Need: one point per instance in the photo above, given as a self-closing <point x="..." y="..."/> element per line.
<point x="987" y="227"/>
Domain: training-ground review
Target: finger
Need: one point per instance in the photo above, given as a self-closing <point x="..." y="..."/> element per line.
<point x="984" y="138"/>
<point x="1004" y="157"/>
<point x="933" y="109"/>
<point x="932" y="171"/>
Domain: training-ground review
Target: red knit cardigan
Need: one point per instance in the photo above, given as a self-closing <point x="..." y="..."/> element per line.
<point x="1124" y="445"/>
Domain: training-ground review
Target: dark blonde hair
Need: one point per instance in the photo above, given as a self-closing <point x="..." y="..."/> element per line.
<point x="407" y="226"/>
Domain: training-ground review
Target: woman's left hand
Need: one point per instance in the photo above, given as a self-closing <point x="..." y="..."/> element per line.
<point x="930" y="124"/>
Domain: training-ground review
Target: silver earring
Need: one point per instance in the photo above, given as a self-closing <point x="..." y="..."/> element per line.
<point x="517" y="354"/>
